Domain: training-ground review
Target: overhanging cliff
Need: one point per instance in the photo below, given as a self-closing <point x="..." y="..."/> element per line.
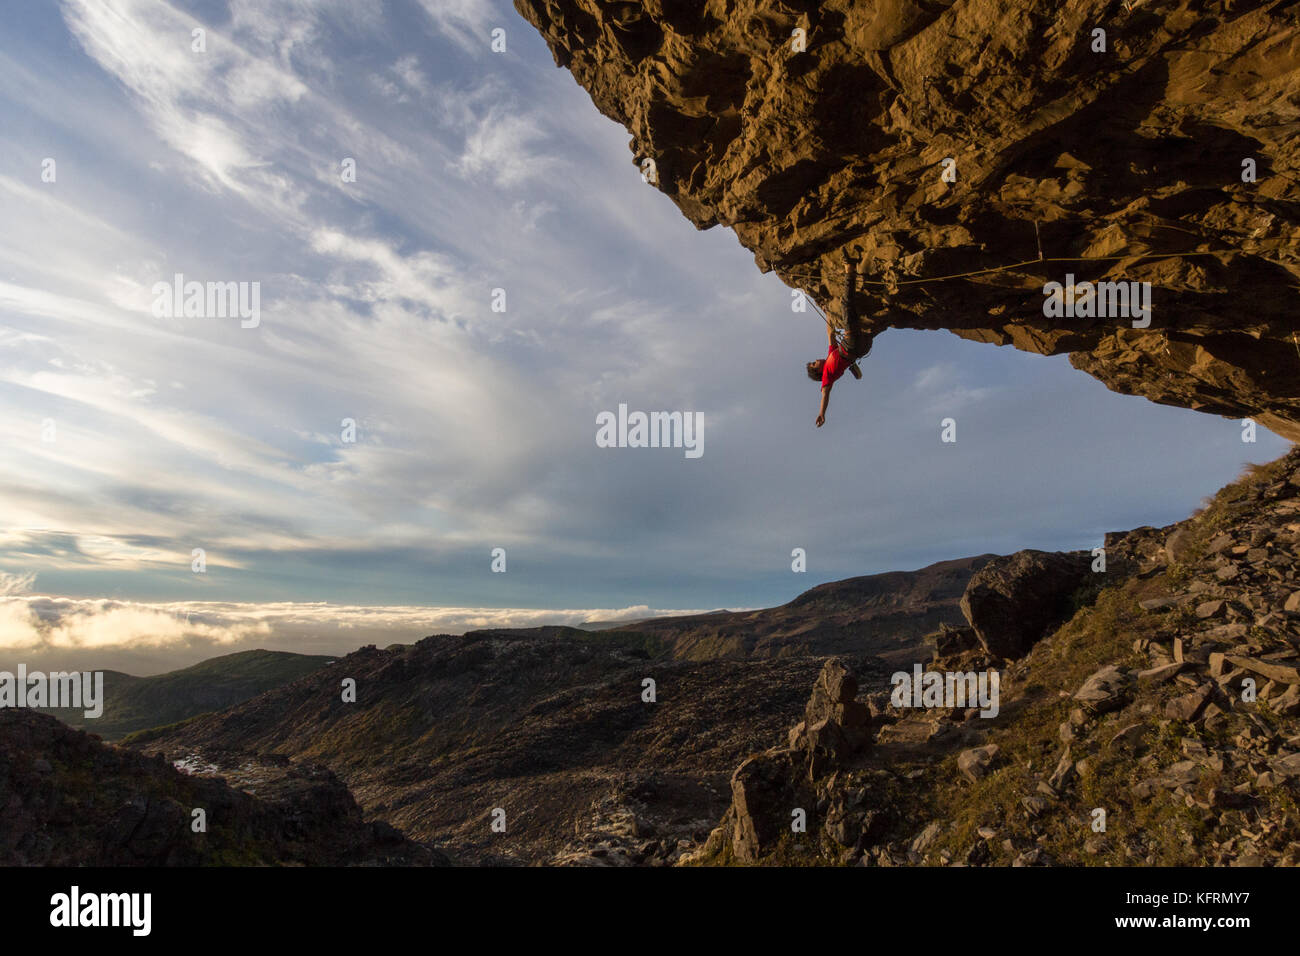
<point x="810" y="128"/>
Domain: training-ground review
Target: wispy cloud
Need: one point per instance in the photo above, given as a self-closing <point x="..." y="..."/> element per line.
<point x="503" y="148"/>
<point x="943" y="387"/>
<point x="467" y="22"/>
<point x="150" y="47"/>
<point x="11" y="584"/>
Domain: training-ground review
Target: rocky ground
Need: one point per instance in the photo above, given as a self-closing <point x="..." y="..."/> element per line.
<point x="812" y="127"/>
<point x="1160" y="724"/>
<point x="550" y="726"/>
<point x="67" y="799"/>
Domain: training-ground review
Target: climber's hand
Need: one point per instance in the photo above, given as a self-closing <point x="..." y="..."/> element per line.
<point x="821" y="420"/>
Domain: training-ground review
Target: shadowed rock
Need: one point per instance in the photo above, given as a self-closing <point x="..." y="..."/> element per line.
<point x="1012" y="601"/>
<point x="768" y="788"/>
<point x="765" y="792"/>
<point x="66" y="799"/>
<point x="835" y="724"/>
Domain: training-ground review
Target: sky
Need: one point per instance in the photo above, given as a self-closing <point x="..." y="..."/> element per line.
<point x="494" y="276"/>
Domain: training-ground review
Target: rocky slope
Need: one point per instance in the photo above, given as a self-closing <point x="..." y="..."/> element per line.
<point x="1159" y="725"/>
<point x="1059" y="151"/>
<point x="66" y="799"/>
<point x="550" y="725"/>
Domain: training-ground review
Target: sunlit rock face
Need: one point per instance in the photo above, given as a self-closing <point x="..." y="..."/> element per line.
<point x="810" y="127"/>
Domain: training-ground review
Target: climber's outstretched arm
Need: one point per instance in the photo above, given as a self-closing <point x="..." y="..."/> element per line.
<point x="826" y="400"/>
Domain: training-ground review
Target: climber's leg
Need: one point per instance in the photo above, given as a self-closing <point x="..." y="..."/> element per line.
<point x="850" y="340"/>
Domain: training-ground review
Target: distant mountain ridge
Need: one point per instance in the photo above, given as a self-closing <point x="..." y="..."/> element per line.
<point x="886" y="614"/>
<point x="136" y="703"/>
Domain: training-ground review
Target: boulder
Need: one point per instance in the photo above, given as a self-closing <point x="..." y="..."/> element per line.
<point x="1283" y="673"/>
<point x="1108" y="689"/>
<point x="764" y="794"/>
<point x="1184" y="773"/>
<point x="1063" y="773"/>
<point x="1219" y="664"/>
<point x="975" y="763"/>
<point x="911" y="731"/>
<point x="1158" y="675"/>
<point x="1288" y="703"/>
<point x="925" y="839"/>
<point x="835" y="724"/>
<point x="835" y="684"/>
<point x="1129" y="736"/>
<point x="1158" y="603"/>
<point x="1288" y="766"/>
<point x="1187" y="707"/>
<point x="1013" y="600"/>
<point x="844" y="827"/>
<point x="1034" y="804"/>
<point x="951" y="641"/>
<point x="1177" y="545"/>
<point x="1186" y="652"/>
<point x="1220" y="543"/>
<point x="1211" y="609"/>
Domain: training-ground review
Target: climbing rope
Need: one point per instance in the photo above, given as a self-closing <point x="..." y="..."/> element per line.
<point x="891" y="282"/>
<point x="1030" y="262"/>
<point x="818" y="310"/>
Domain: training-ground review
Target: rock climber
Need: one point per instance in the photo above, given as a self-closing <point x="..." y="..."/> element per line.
<point x="843" y="355"/>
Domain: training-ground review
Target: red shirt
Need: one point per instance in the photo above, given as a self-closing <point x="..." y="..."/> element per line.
<point x="835" y="366"/>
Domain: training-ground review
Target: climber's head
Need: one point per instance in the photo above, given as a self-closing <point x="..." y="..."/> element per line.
<point x="815" y="369"/>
